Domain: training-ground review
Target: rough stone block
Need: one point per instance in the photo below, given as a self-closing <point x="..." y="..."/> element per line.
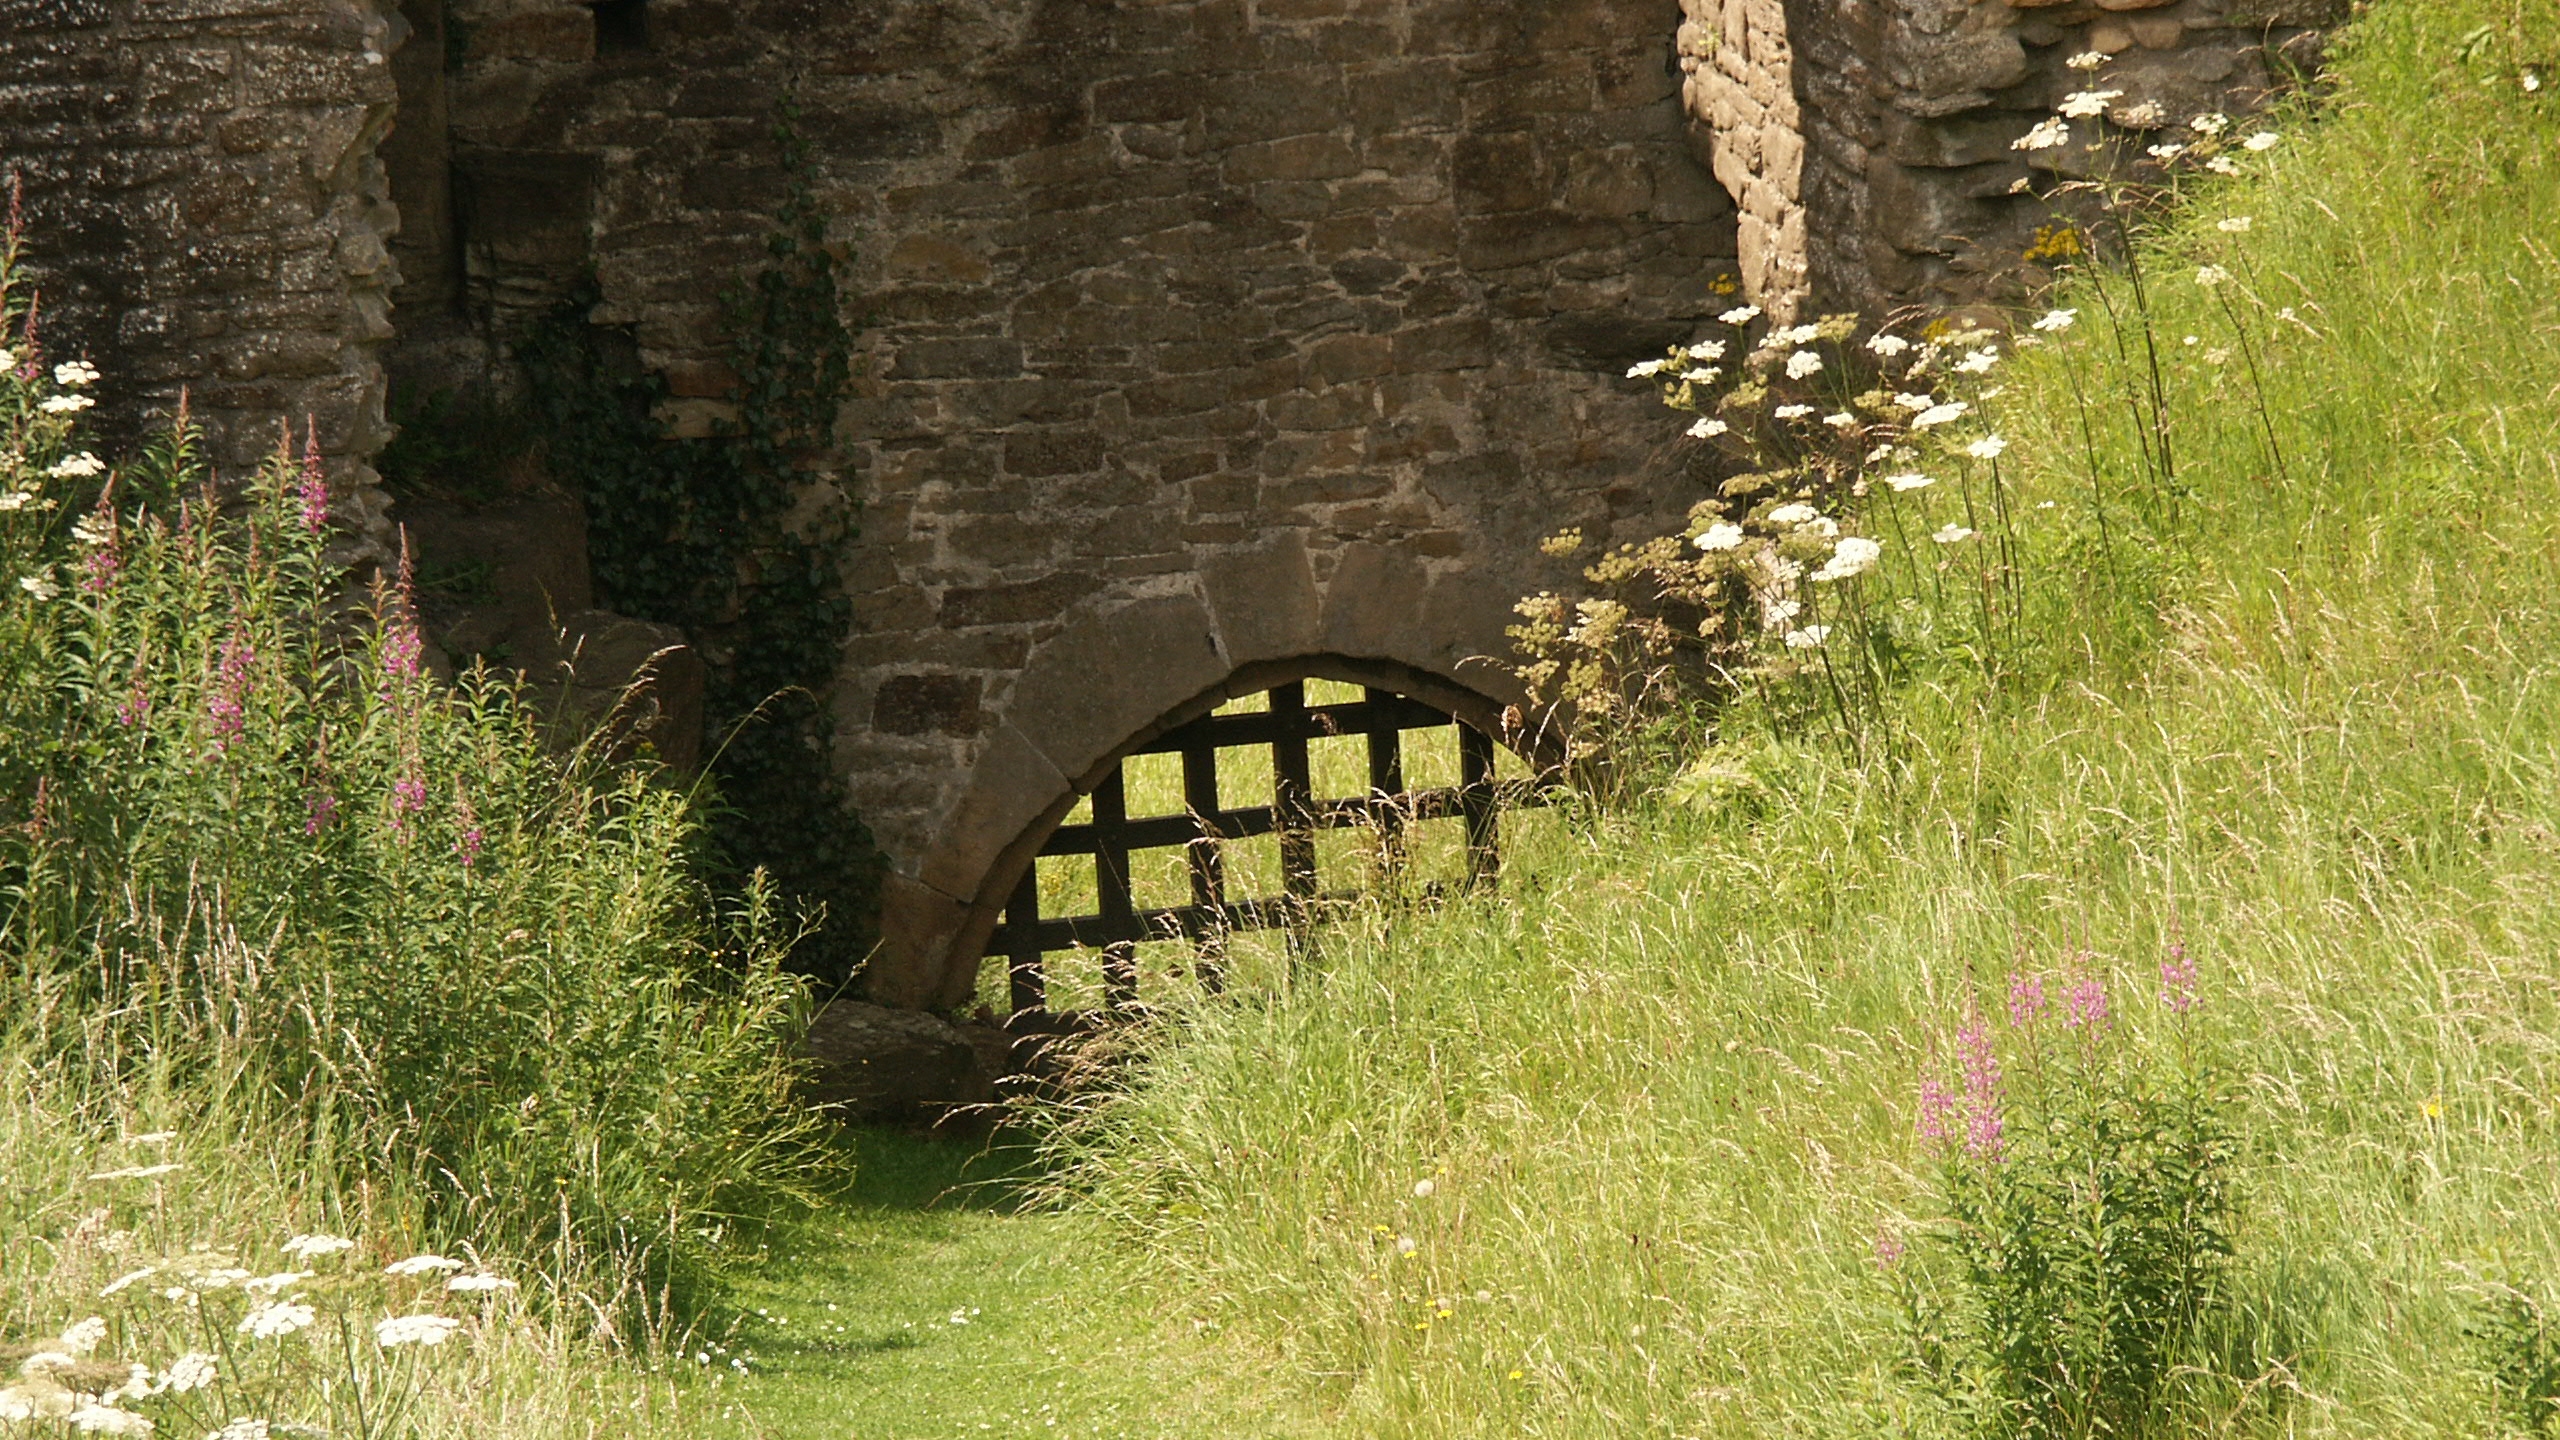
<point x="1104" y="680"/>
<point x="1264" y="600"/>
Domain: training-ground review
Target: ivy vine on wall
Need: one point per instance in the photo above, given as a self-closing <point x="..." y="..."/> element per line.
<point x="711" y="534"/>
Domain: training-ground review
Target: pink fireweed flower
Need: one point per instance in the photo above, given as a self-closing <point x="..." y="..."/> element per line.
<point x="1981" y="1090"/>
<point x="408" y="796"/>
<point x="403" y="650"/>
<point x="2178" y="980"/>
<point x="313" y="488"/>
<point x="1937" y="1109"/>
<point x="324" y="812"/>
<point x="1889" y="1249"/>
<point x="137" y="704"/>
<point x="2026" y="1000"/>
<point x="228" y="708"/>
<point x="2085" y="1004"/>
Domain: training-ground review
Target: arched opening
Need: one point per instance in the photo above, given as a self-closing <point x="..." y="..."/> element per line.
<point x="1208" y="848"/>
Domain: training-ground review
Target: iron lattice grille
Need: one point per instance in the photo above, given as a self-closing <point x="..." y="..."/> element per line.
<point x="1294" y="815"/>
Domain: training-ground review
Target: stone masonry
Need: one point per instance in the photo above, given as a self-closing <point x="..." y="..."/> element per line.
<point x="205" y="210"/>
<point x="1868" y="141"/>
<point x="1207" y="343"/>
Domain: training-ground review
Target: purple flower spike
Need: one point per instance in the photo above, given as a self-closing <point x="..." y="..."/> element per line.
<point x="2178" y="980"/>
<point x="324" y="809"/>
<point x="2026" y="1000"/>
<point x="1981" y="1090"/>
<point x="468" y="847"/>
<point x="1937" y="1110"/>
<point x="1889" y="1249"/>
<point x="313" y="490"/>
<point x="2085" y="1005"/>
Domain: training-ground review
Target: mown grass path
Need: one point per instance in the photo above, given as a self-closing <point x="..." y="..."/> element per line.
<point x="929" y="1302"/>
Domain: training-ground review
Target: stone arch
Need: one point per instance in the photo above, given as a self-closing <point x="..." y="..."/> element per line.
<point x="1117" y="677"/>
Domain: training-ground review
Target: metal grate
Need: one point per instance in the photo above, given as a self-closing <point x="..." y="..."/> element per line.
<point x="1295" y="814"/>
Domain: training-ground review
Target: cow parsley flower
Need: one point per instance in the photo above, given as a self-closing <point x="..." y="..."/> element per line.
<point x="2209" y="276"/>
<point x="2209" y="124"/>
<point x="1987" y="448"/>
<point x="1701" y="374"/>
<point x="1793" y="513"/>
<point x="2088" y="60"/>
<point x="2166" y="151"/>
<point x="1952" y="533"/>
<point x="85" y="1337"/>
<point x="2263" y="140"/>
<point x="1888" y="346"/>
<point x="1979" y="362"/>
<point x="40" y="585"/>
<point x="2053" y="320"/>
<point x="1792" y="412"/>
<point x="1708" y="429"/>
<point x="191" y="1371"/>
<point x="1909" y="480"/>
<point x="1646" y="369"/>
<point x="1808" y="638"/>
<point x="276" y="1320"/>
<point x="1840" y="420"/>
<point x="1854" y="555"/>
<point x="1803" y="363"/>
<point x="1935" y="415"/>
<point x="275" y="1284"/>
<point x="2233" y="224"/>
<point x="72" y="374"/>
<point x="2088" y="104"/>
<point x="422" y="1265"/>
<point x="1722" y="535"/>
<point x="2051" y="133"/>
<point x="76" y="467"/>
<point x="2223" y="165"/>
<point x="315" y="1247"/>
<point x="414" y="1330"/>
<point x="65" y="404"/>
<point x="1744" y="315"/>
<point x="479" y="1284"/>
<point x="92" y="1418"/>
<point x="1707" y="350"/>
<point x="1796" y="335"/>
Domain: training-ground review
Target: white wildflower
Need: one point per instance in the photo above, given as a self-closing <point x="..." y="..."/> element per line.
<point x="414" y="1330"/>
<point x="72" y="374"/>
<point x="1914" y="401"/>
<point x="1404" y="1243"/>
<point x="2088" y="60"/>
<point x="2209" y="124"/>
<point x="1854" y="555"/>
<point x="2088" y="104"/>
<point x="2166" y="151"/>
<point x="2223" y="165"/>
<point x="65" y="404"/>
<point x="1422" y="1189"/>
<point x="422" y="1265"/>
<point x="191" y="1371"/>
<point x="957" y="1317"/>
<point x="17" y="500"/>
<point x="1792" y="412"/>
<point x="1888" y="346"/>
<point x="1708" y="429"/>
<point x="8" y="358"/>
<point x="314" y="1247"/>
<point x="1646" y="369"/>
<point x="241" y="1430"/>
<point x="77" y="467"/>
<point x="136" y="1172"/>
<point x="1808" y="638"/>
<point x="45" y="1362"/>
<point x="1909" y="480"/>
<point x="2233" y="224"/>
<point x="2263" y="140"/>
<point x="2142" y="116"/>
<point x="1722" y="535"/>
<point x="2209" y="276"/>
<point x="137" y="1386"/>
<point x="1742" y="316"/>
<point x="1796" y="335"/>
<point x="1979" y="362"/>
<point x="1793" y="513"/>
<point x="85" y="1337"/>
<point x="41" y="586"/>
<point x="479" y="1284"/>
<point x="1840" y="420"/>
<point x="96" y="1419"/>
<point x="1987" y="448"/>
<point x="1701" y="374"/>
<point x="275" y="1284"/>
<point x="2058" y="320"/>
<point x="1803" y="363"/>
<point x="1707" y="350"/>
<point x="1935" y="415"/>
<point x="277" y="1320"/>
<point x="1952" y="533"/>
<point x="2048" y="134"/>
<point x="2218" y="355"/>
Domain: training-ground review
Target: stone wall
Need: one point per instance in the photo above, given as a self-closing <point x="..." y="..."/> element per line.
<point x="1870" y="140"/>
<point x="204" y="210"/>
<point x="1201" y="336"/>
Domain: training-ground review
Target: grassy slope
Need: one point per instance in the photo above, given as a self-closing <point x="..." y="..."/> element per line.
<point x="1665" y="1101"/>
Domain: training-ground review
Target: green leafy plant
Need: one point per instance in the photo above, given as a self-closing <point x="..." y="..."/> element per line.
<point x="2518" y="1349"/>
<point x="2087" y="1212"/>
<point x="242" y="825"/>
